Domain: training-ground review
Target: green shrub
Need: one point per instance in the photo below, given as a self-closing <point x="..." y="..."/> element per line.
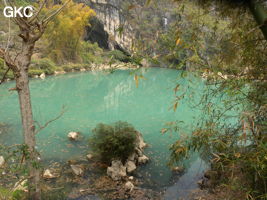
<point x="59" y="68"/>
<point x="33" y="72"/>
<point x="116" y="141"/>
<point x="5" y="193"/>
<point x="44" y="64"/>
<point x="76" y="67"/>
<point x="92" y="58"/>
<point x="67" y="68"/>
<point x="119" y="55"/>
<point x="91" y="53"/>
<point x="136" y="59"/>
<point x="12" y="195"/>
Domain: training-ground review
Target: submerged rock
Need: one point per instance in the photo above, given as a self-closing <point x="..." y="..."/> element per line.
<point x="143" y="159"/>
<point x="129" y="186"/>
<point x="130" y="166"/>
<point x="2" y="161"/>
<point x="116" y="171"/>
<point x="73" y="135"/>
<point x="178" y="169"/>
<point x="89" y="156"/>
<point x="77" y="170"/>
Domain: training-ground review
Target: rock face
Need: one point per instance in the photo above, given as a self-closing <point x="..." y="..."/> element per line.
<point x="116" y="171"/>
<point x="2" y="161"/>
<point x="104" y="28"/>
<point x="73" y="135"/>
<point x="140" y="141"/>
<point x="130" y="166"/>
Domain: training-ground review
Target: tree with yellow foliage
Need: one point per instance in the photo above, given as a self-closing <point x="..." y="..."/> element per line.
<point x="64" y="34"/>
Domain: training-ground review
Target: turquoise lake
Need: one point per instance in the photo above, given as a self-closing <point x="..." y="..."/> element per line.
<point x="101" y="97"/>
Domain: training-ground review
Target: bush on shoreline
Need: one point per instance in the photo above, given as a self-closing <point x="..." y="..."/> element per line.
<point x="115" y="141"/>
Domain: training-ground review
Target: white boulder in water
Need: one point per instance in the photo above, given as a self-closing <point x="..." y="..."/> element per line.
<point x="73" y="135"/>
<point x="42" y="76"/>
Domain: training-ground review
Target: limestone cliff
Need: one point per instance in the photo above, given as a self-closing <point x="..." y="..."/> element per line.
<point x="104" y="28"/>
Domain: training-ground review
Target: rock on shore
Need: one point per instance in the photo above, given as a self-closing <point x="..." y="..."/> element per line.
<point x="117" y="170"/>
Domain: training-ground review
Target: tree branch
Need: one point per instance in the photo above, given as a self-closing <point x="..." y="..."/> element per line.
<point x="50" y="121"/>
<point x="39" y="10"/>
<point x="8" y="60"/>
<point x="49" y="18"/>
<point x="4" y="77"/>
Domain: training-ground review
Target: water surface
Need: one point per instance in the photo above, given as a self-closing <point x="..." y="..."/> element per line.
<point x="100" y="97"/>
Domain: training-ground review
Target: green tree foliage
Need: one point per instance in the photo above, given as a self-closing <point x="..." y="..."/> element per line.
<point x="116" y="141"/>
<point x="229" y="49"/>
<point x="42" y="65"/>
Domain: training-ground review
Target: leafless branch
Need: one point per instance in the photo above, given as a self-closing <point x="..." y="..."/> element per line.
<point x="45" y="21"/>
<point x="37" y="13"/>
<point x="8" y="60"/>
<point x="50" y="121"/>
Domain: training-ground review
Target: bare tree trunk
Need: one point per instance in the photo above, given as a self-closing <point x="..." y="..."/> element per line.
<point x="31" y="30"/>
<point x="22" y="84"/>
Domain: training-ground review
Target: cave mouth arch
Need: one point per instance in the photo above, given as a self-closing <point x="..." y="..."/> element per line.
<point x="96" y="33"/>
